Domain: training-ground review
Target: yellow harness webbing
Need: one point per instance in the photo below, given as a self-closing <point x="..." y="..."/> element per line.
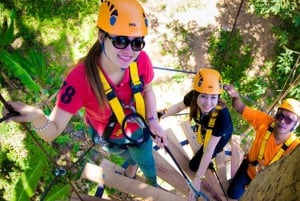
<point x="137" y="86"/>
<point x="211" y="124"/>
<point x="115" y="103"/>
<point x="283" y="148"/>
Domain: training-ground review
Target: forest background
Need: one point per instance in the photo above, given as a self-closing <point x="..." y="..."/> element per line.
<point x="255" y="44"/>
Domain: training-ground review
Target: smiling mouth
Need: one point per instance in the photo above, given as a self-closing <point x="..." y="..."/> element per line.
<point x="125" y="58"/>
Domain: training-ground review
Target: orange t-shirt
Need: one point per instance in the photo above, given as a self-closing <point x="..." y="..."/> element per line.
<point x="260" y="122"/>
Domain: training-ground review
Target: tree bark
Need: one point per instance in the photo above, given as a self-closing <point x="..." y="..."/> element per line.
<point x="279" y="182"/>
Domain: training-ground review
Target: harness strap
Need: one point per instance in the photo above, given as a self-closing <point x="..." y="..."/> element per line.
<point x="281" y="151"/>
<point x="114" y="102"/>
<point x="137" y="87"/>
<point x="264" y="142"/>
<point x="112" y="98"/>
<point x="211" y="124"/>
<point x="284" y="147"/>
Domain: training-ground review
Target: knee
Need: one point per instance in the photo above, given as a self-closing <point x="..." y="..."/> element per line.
<point x="193" y="166"/>
<point x="235" y="192"/>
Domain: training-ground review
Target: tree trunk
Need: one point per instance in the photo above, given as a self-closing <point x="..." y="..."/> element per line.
<point x="279" y="182"/>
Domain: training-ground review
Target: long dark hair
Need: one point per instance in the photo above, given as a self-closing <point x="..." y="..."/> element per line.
<point x="92" y="75"/>
<point x="194" y="106"/>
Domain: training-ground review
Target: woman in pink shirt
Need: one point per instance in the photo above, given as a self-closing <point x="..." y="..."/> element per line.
<point x="120" y="40"/>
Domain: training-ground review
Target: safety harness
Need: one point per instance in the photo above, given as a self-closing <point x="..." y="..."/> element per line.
<point x="118" y="115"/>
<point x="203" y="138"/>
<point x="278" y="155"/>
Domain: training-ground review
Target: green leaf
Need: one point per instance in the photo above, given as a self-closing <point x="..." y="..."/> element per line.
<point x="58" y="193"/>
<point x="12" y="62"/>
<point x="25" y="187"/>
<point x="7" y="32"/>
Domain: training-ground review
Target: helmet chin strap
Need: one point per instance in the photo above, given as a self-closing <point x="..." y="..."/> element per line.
<point x="295" y="126"/>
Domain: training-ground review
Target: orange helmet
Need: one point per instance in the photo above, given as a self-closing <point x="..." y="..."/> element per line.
<point x="123" y="18"/>
<point x="291" y="105"/>
<point x="208" y="81"/>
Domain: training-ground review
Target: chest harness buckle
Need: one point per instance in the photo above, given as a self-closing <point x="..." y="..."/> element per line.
<point x="204" y="134"/>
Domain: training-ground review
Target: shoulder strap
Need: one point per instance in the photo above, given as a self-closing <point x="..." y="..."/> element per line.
<point x="211" y="125"/>
<point x="283" y="148"/>
<point x="137" y="88"/>
<point x="114" y="102"/>
<point x="112" y="98"/>
<point x="264" y="142"/>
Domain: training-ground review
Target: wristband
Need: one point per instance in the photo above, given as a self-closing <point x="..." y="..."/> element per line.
<point x="43" y="127"/>
<point x="152" y="118"/>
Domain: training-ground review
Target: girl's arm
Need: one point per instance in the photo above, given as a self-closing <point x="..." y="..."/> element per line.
<point x="174" y="109"/>
<point x="151" y="116"/>
<point x="207" y="156"/>
<point x="237" y="102"/>
<point x="48" y="128"/>
<point x="205" y="160"/>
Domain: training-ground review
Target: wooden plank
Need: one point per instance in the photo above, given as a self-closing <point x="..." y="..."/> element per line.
<point x="183" y="140"/>
<point x="236" y="154"/>
<point x="93" y="173"/>
<point x="222" y="169"/>
<point x="74" y="197"/>
<point x="190" y="136"/>
<point x="179" y="154"/>
<point x="166" y="172"/>
<point x="212" y="186"/>
<point x="132" y="186"/>
<point x="118" y="169"/>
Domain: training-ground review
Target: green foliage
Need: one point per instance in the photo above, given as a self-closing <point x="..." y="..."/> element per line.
<point x="283" y="9"/>
<point x="63" y="139"/>
<point x="296" y="21"/>
<point x="229" y="54"/>
<point x="284" y="62"/>
<point x="7" y="30"/>
<point x="25" y="188"/>
<point x="59" y="193"/>
<point x="179" y="77"/>
<point x="13" y="62"/>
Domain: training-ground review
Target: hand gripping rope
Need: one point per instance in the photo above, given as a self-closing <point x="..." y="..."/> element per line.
<point x="137" y="118"/>
<point x="11" y="111"/>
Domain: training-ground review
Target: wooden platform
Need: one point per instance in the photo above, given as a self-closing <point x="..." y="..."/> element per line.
<point x="182" y="144"/>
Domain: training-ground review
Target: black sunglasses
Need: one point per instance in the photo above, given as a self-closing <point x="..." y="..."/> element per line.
<point x="280" y="116"/>
<point x="121" y="42"/>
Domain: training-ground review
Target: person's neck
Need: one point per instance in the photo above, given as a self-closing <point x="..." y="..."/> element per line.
<point x="281" y="137"/>
<point x="107" y="65"/>
<point x="114" y="72"/>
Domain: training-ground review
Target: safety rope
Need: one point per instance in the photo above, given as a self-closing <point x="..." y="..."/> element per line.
<point x="232" y="30"/>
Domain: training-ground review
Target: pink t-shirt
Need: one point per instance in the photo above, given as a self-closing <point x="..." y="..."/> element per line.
<point x="76" y="94"/>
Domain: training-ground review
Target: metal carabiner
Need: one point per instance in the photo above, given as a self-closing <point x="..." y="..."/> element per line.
<point x="259" y="167"/>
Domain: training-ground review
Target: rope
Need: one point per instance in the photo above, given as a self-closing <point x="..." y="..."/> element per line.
<point x="175" y="70"/>
<point x="197" y="193"/>
<point x="232" y="30"/>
